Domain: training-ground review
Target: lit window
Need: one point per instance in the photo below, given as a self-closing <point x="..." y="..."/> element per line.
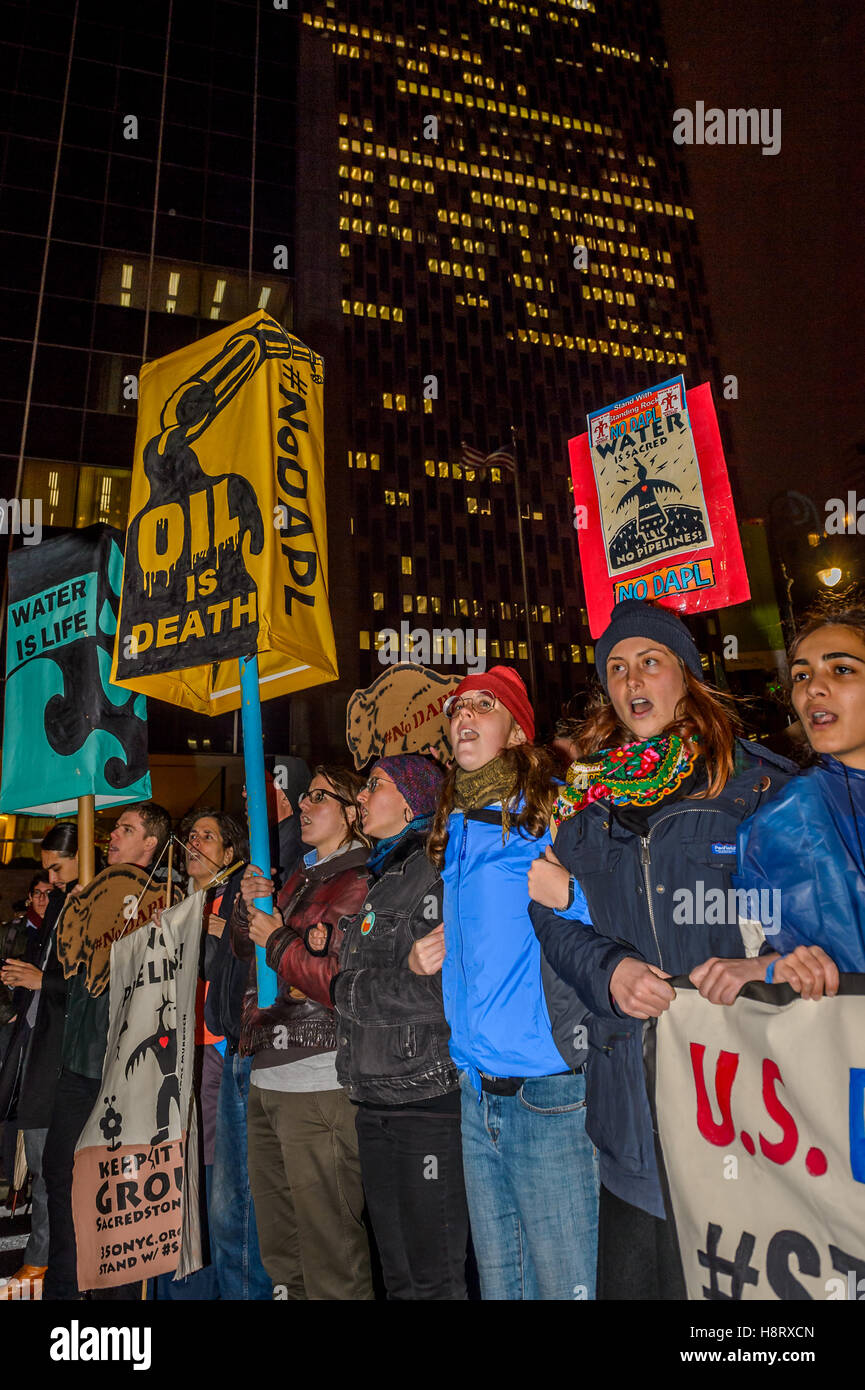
<point x="378" y="602"/>
<point x="522" y="651"/>
<point x="406" y="564"/>
<point x="364" y="641"/>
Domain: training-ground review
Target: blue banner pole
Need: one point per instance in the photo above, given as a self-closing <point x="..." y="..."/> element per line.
<point x="256" y="808"/>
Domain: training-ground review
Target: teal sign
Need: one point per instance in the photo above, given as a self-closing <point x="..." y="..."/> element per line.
<point x="67" y="731"/>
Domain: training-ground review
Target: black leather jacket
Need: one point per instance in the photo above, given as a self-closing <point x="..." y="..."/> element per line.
<point x="392" y="1037"/>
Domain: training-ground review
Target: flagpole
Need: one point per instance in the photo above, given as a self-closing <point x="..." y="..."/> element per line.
<point x="532" y="682"/>
<point x="256" y="807"/>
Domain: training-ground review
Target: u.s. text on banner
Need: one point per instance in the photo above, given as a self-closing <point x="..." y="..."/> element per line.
<point x="761" y="1116"/>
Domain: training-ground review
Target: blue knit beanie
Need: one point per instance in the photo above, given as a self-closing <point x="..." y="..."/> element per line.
<point x="636" y="618"/>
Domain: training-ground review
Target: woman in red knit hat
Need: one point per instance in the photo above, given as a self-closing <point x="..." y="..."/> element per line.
<point x="517" y="1034"/>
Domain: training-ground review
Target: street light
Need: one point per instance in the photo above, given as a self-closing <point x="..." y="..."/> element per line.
<point x="829" y="577"/>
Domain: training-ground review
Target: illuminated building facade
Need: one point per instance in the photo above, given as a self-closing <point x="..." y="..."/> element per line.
<point x="406" y="186"/>
<point x="478" y="147"/>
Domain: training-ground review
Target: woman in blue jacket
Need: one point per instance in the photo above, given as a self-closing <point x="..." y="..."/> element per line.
<point x="517" y="1033"/>
<point x="821" y="886"/>
<point x="647" y="826"/>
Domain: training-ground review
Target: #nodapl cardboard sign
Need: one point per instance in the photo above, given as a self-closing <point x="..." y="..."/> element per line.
<point x="761" y="1115"/>
<point x="401" y="712"/>
<point x="654" y="513"/>
<point x="134" y="1195"/>
<point x="114" y="903"/>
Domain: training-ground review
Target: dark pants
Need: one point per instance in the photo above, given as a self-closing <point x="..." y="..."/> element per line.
<point x="73" y="1101"/>
<point x="411" y="1164"/>
<point x="638" y="1258"/>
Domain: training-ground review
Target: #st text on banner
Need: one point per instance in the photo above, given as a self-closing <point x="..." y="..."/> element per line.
<point x="760" y="1111"/>
<point x="67" y="731"/>
<point x="226" y="550"/>
<point x="654" y="512"/>
<point x="135" y="1184"/>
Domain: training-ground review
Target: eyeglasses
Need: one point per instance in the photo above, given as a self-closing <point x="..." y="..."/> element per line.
<point x="483" y="702"/>
<point x="317" y="796"/>
<point x="370" y="786"/>
<point x="41" y="893"/>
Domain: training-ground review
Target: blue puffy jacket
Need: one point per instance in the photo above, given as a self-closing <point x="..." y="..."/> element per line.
<point x="508" y="1012"/>
<point x="635" y="889"/>
<point x="821" y="886"/>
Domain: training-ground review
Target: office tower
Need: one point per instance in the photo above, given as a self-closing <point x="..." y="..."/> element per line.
<point x="517" y="248"/>
<point x="474" y="210"/>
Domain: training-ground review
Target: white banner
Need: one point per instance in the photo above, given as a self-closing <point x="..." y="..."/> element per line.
<point x="134" y="1195"/>
<point x="761" y="1116"/>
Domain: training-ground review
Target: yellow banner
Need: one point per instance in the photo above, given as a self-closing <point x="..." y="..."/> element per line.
<point x="226" y="550"/>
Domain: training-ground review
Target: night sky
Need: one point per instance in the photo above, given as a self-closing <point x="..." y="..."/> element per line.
<point x="782" y="235"/>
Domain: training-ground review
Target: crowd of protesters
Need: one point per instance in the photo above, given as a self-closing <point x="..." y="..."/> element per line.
<point x="447" y="1097"/>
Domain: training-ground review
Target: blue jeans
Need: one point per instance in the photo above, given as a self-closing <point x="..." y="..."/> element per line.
<point x="202" y="1285"/>
<point x="233" y="1233"/>
<point x="531" y="1179"/>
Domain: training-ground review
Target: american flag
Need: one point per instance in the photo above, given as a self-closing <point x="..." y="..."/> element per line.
<point x="499" y="458"/>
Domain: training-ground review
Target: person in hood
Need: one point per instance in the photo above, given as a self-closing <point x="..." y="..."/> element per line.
<point x="820" y="816"/>
<point x="517" y="1033"/>
<point x="646" y="824"/>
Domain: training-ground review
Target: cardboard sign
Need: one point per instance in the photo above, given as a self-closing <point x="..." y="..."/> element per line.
<point x="135" y="1176"/>
<point x="113" y="904"/>
<point x="760" y="1110"/>
<point x="401" y="712"/>
<point x="67" y="731"/>
<point x="655" y="516"/>
<point x="226" y="552"/>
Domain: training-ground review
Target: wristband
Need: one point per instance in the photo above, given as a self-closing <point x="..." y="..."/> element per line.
<point x="770" y="973"/>
<point x="571" y="887"/>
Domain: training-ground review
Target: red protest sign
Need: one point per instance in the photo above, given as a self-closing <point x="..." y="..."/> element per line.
<point x="655" y="516"/>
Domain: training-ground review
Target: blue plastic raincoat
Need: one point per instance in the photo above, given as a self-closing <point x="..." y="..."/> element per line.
<point x="805" y="844"/>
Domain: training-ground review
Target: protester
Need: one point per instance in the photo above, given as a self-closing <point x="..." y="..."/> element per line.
<point x="516" y="1033"/>
<point x="820" y="815"/>
<point x="392" y="1053"/>
<point x="304" y="1170"/>
<point x="138" y="837"/>
<point x="234" y="1235"/>
<point x="213" y="841"/>
<point x="649" y="816"/>
<point x="20" y="946"/>
<point x="20" y="949"/>
<point x="290" y="781"/>
<point x="32" y="1065"/>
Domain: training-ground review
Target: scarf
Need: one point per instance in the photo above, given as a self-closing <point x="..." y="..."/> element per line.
<point x="639" y="774"/>
<point x="383" y="847"/>
<point x="495" y="781"/>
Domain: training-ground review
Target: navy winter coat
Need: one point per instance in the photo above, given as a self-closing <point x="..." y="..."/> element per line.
<point x="634" y="886"/>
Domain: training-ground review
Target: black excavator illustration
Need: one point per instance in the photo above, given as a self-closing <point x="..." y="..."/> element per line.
<point x="163" y="1045"/>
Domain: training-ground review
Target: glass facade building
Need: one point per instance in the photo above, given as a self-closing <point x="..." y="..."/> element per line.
<point x="473" y="209"/>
